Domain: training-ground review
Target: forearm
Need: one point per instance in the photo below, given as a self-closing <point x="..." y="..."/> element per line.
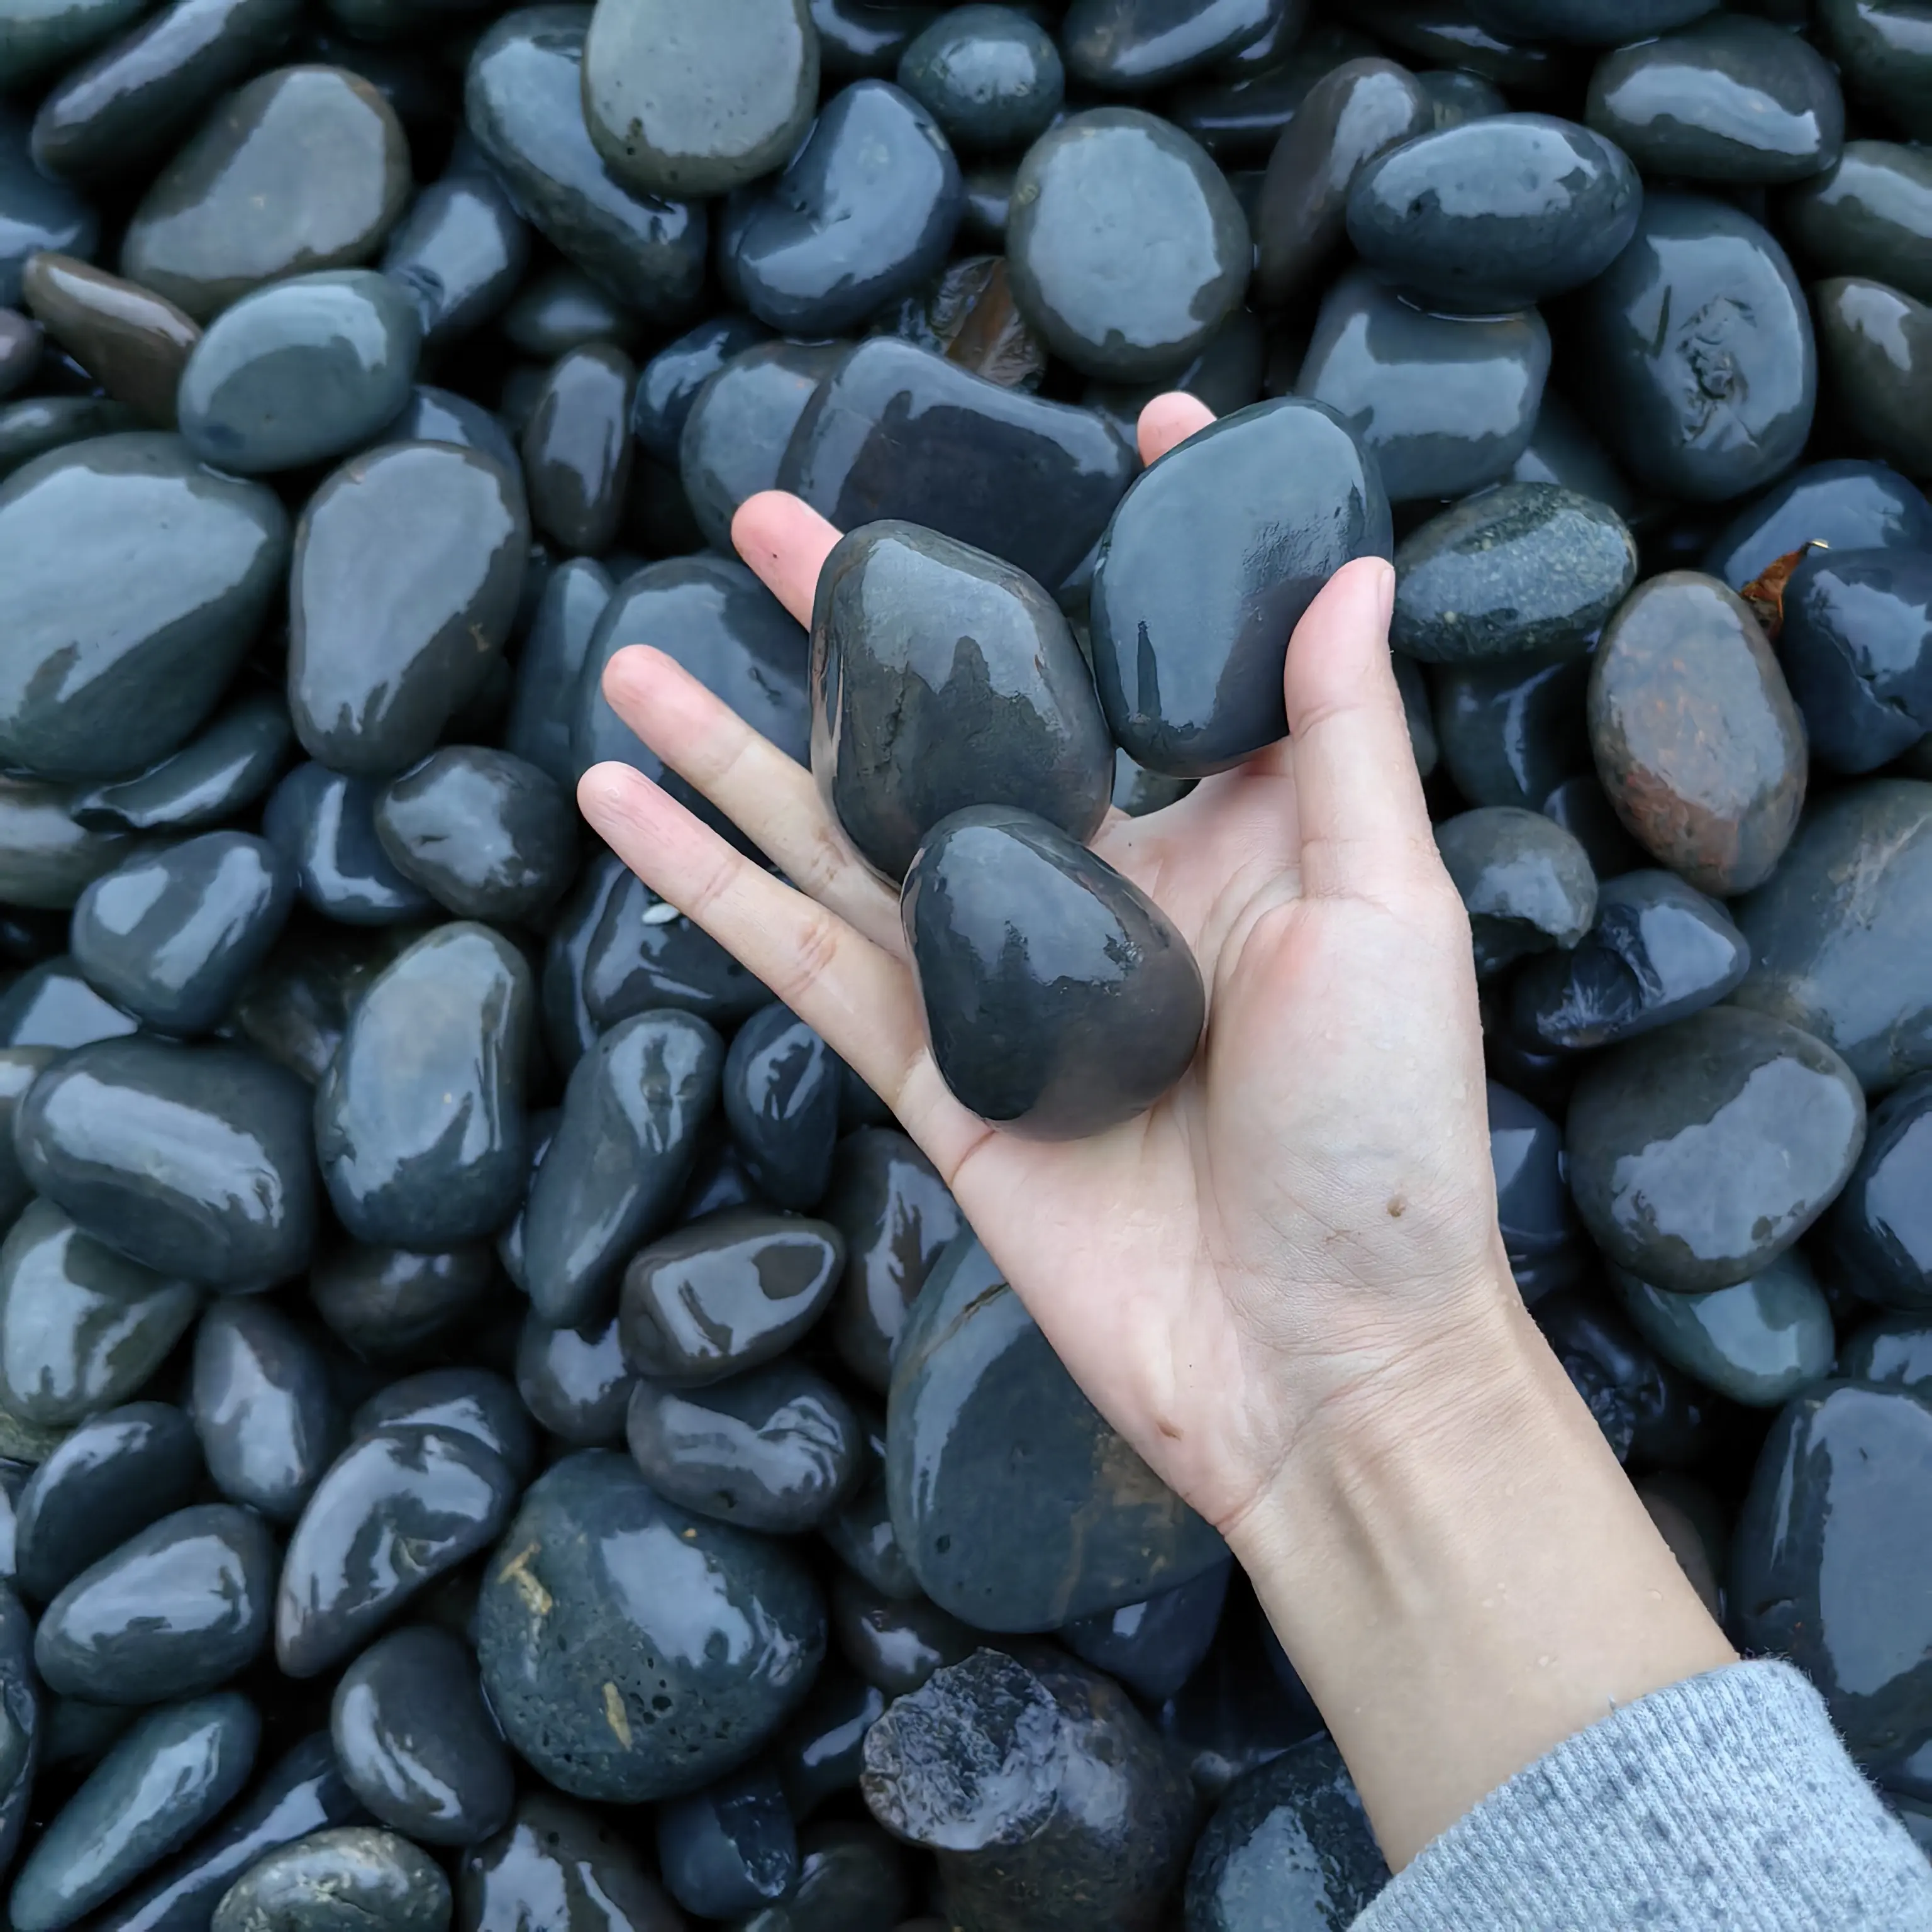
<point x="1464" y="1577"/>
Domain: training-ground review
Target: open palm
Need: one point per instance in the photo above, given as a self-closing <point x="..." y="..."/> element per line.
<point x="1312" y="1205"/>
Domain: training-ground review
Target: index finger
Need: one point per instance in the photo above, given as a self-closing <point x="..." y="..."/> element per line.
<point x="786" y="542"/>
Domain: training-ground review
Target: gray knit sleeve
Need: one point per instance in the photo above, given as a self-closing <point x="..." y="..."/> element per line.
<point x="1725" y="1802"/>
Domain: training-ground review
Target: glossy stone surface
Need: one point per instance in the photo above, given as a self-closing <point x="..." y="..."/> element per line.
<point x="1842" y="1473"/>
<point x="472" y="1401"/>
<point x="774" y="1449"/>
<point x="1045" y="1794"/>
<point x="942" y="678"/>
<point x="729" y="1848"/>
<point x="262" y="1407"/>
<point x="1511" y="731"/>
<point x="1880" y="1236"/>
<point x="1541" y="1236"/>
<point x="1362" y="108"/>
<point x="396" y="1305"/>
<point x="137" y="581"/>
<point x="35" y="213"/>
<point x="20" y="1066"/>
<point x="1881" y="52"/>
<point x="1758" y="1342"/>
<point x="562" y="1866"/>
<point x="1658" y="950"/>
<point x="1445" y="404"/>
<point x="167" y="1777"/>
<point x="631" y="1652"/>
<point x="1835" y="932"/>
<point x="408" y="564"/>
<point x="1707" y="371"/>
<point x="1052" y="1058"/>
<point x="116" y="1473"/>
<point x="172" y="936"/>
<point x="1127" y="247"/>
<point x="1848" y="504"/>
<point x="132" y="342"/>
<point x="740" y="425"/>
<point x="575" y="1381"/>
<point x="1154" y="1646"/>
<point x="440" y="415"/>
<point x="851" y="1878"/>
<point x="820" y="1750"/>
<point x="1699" y="1153"/>
<point x="550" y="664"/>
<point x="416" y="1743"/>
<point x="560" y="309"/>
<point x="895" y="1643"/>
<point x="1728" y="99"/>
<point x="300" y="371"/>
<point x="304" y="168"/>
<point x="459" y="252"/>
<point x="213" y="777"/>
<point x="1870" y="214"/>
<point x="324" y="824"/>
<point x="338" y="1881"/>
<point x="899" y="432"/>
<point x="896" y="1217"/>
<point x="1289" y="1836"/>
<point x="623" y="1150"/>
<point x="1697" y="739"/>
<point x="193" y="1160"/>
<point x="1523" y="569"/>
<point x="81" y="1328"/>
<point x="35" y="425"/>
<point x="177" y="1609"/>
<point x="1129" y="47"/>
<point x="685" y="100"/>
<point x="991" y="76"/>
<point x="668" y="384"/>
<point x="577" y="448"/>
<point x="46" y="858"/>
<point x="50" y="1005"/>
<point x="1889" y="1349"/>
<point x="974" y="1384"/>
<point x="781" y="1090"/>
<point x="23" y="1728"/>
<point x="1206" y="569"/>
<point x="396" y="1509"/>
<point x="1875" y="343"/>
<point x="1525" y="882"/>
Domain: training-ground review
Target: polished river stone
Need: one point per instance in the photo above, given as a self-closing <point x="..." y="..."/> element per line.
<point x="558" y="1865"/>
<point x="136" y="581"/>
<point x="1870" y="214"/>
<point x="1510" y="731"/>
<point x="991" y="76"/>
<point x="895" y="1643"/>
<point x="1154" y="1646"/>
<point x="1697" y="739"/>
<point x="1206" y="569"/>
<point x="669" y="383"/>
<point x="472" y="1402"/>
<point x="1526" y="882"/>
<point x="575" y="1381"/>
<point x="132" y="341"/>
<point x="550" y="664"/>
<point x="268" y="1421"/>
<point x="47" y="860"/>
<point x="307" y="168"/>
<point x="1129" y="46"/>
<point x="1698" y="1154"/>
<point x="729" y="1848"/>
<point x="51" y="1005"/>
<point x="1127" y="247"/>
<point x="942" y="678"/>
<point x="459" y="252"/>
<point x="1880" y="1232"/>
<point x="577" y="448"/>
<point x="395" y="1305"/>
<point x="631" y="1651"/>
<point x="1059" y="1000"/>
<point x="1877" y="346"/>
<point x="193" y="1160"/>
<point x="338" y="1881"/>
<point x="1846" y="504"/>
<point x="213" y="777"/>
<point x="990" y="1440"/>
<point x="324" y="823"/>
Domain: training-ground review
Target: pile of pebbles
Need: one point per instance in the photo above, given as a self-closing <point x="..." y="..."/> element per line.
<point x="500" y="1428"/>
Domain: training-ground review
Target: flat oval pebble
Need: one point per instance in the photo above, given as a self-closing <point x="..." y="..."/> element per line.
<point x="1153" y="1647"/>
<point x="1057" y="1051"/>
<point x="299" y="371"/>
<point x="233" y="760"/>
<point x="395" y="1511"/>
<point x="781" y="1087"/>
<point x="690" y="97"/>
<point x="1875" y="344"/>
<point x="550" y="665"/>
<point x="1511" y="730"/>
<point x="416" y="1743"/>
<point x="440" y="415"/>
<point x="1541" y="1236"/>
<point x="268" y="1422"/>
<point x="1846" y="504"/>
<point x="577" y="449"/>
<point x="726" y="1294"/>
<point x="643" y="955"/>
<point x="1869" y="214"/>
<point x="633" y="1652"/>
<point x="575" y="1381"/>
<point x="175" y="1770"/>
<point x="304" y="168"/>
<point x="408" y="564"/>
<point x="820" y="1751"/>
<point x="1698" y="1154"/>
<point x="137" y="581"/>
<point x="561" y="309"/>
<point x="472" y="1402"/>
<point x="668" y="384"/>
<point x="1126" y="248"/>
<point x="729" y="1848"/>
<point x="132" y="341"/>
<point x="1879" y="1234"/>
<point x="179" y="1608"/>
<point x="1707" y="372"/>
<point x="51" y="1005"/>
<point x="323" y="822"/>
<point x="894" y="1642"/>
<point x="116" y="1473"/>
<point x="1523" y="569"/>
<point x="942" y="678"/>
<point x="1445" y="404"/>
<point x="397" y="1306"/>
<point x="81" y="1327"/>
<point x="565" y="1868"/>
<point x="1497" y="213"/>
<point x="991" y="76"/>
<point x="1697" y="739"/>
<point x="342" y="1880"/>
<point x="1129" y="47"/>
<point x="1526" y="882"/>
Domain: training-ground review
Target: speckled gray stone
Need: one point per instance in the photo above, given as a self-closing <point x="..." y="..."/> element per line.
<point x="343" y="1880"/>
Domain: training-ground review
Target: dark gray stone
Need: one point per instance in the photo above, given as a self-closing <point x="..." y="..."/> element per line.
<point x="668" y="384"/>
<point x="36" y="43"/>
<point x="132" y="342"/>
<point x="116" y="1473"/>
<point x="1880" y="1235"/>
<point x="213" y="777"/>
<point x="440" y="415"/>
<point x="563" y="309"/>
<point x="1607" y="23"/>
<point x="396" y="1305"/>
<point x="297" y="1008"/>
<point x="781" y="1087"/>
<point x="866" y="36"/>
<point x="894" y="1643"/>
<point x="819" y="1752"/>
<point x="138" y="580"/>
<point x="1869" y="214"/>
<point x="730" y="1847"/>
<point x="233" y="1202"/>
<point x="50" y="1005"/>
<point x="851" y="1878"/>
<point x="1511" y="731"/>
<point x="1563" y="449"/>
<point x="1698" y="1154"/>
<point x="268" y="1423"/>
<point x="338" y="1881"/>
<point x="324" y="824"/>
<point x="990" y="1441"/>
<point x="395" y="1511"/>
<point x="1054" y="1057"/>
<point x="407" y="568"/>
<point x="1155" y="1646"/>
<point x="550" y="666"/>
<point x="1131" y="46"/>
<point x="20" y="1066"/>
<point x="35" y="425"/>
<point x="1889" y="1349"/>
<point x="46" y="858"/>
<point x="1881" y="56"/>
<point x="459" y="252"/>
<point x="1848" y="504"/>
<point x="172" y="1771"/>
<point x="991" y="76"/>
<point x="1205" y="570"/>
<point x="22" y="1726"/>
<point x="1127" y="247"/>
<point x="576" y="448"/>
<point x="562" y="1867"/>
<point x="19" y="350"/>
<point x="1541" y="1235"/>
<point x="1525" y="882"/>
<point x="524" y="104"/>
<point x="1227" y="374"/>
<point x="35" y="213"/>
<point x="471" y="1401"/>
<point x="180" y="1607"/>
<point x="302" y="170"/>
<point x="416" y="1743"/>
<point x="628" y="1681"/>
<point x="575" y="1381"/>
<point x="1875" y="342"/>
<point x="623" y="1150"/>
